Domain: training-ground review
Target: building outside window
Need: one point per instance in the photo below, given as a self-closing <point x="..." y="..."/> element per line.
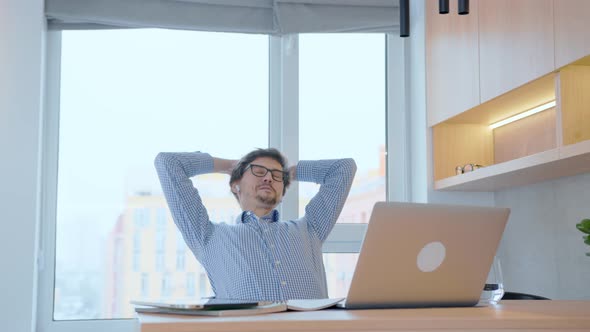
<point x="190" y="284"/>
<point x="180" y="260"/>
<point x="145" y="286"/>
<point x="167" y="285"/>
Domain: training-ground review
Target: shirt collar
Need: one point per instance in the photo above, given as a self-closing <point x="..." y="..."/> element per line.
<point x="248" y="216"/>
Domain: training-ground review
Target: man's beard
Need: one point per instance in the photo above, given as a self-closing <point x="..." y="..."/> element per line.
<point x="269" y="200"/>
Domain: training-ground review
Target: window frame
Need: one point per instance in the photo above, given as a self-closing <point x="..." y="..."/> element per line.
<point x="283" y="113"/>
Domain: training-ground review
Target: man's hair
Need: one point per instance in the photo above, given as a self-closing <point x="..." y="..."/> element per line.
<point x="240" y="168"/>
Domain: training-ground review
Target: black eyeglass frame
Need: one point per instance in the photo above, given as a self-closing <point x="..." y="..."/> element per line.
<point x="467" y="168"/>
<point x="273" y="173"/>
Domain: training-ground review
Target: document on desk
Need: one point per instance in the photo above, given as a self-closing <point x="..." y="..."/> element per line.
<point x="294" y="305"/>
<point x="199" y="304"/>
<point x="312" y="304"/>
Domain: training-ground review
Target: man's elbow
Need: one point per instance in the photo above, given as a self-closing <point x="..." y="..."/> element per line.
<point x="162" y="160"/>
<point x="159" y="160"/>
<point x="350" y="165"/>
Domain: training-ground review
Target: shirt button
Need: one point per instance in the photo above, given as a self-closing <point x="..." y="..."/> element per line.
<point x="272" y="246"/>
<point x="277" y="262"/>
<point x="283" y="282"/>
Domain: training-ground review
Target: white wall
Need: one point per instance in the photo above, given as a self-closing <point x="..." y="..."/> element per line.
<point x="21" y="54"/>
<point x="542" y="252"/>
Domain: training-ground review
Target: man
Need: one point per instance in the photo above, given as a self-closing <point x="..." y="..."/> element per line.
<point x="258" y="257"/>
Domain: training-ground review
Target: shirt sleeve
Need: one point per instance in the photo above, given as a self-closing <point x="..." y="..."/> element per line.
<point x="335" y="178"/>
<point x="184" y="201"/>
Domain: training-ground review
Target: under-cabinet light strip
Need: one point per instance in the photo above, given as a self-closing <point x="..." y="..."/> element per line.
<point x="523" y="115"/>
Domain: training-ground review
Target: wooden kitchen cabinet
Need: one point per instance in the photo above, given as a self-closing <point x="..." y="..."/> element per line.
<point x="452" y="61"/>
<point x="572" y="30"/>
<point x="516" y="44"/>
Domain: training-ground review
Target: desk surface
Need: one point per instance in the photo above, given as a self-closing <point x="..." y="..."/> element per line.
<point x="508" y="315"/>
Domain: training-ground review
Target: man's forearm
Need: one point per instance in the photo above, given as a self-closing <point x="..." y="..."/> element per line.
<point x="188" y="211"/>
<point x="335" y="178"/>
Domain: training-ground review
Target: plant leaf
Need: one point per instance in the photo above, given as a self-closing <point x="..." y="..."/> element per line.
<point x="584" y="226"/>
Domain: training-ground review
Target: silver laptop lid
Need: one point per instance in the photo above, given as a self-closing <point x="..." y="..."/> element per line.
<point x="425" y="255"/>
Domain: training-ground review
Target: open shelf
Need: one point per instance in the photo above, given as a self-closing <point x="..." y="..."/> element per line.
<point x="547" y="145"/>
<point x="575" y="150"/>
<point x="559" y="162"/>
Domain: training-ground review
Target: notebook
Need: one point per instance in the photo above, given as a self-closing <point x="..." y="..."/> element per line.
<point x="218" y="311"/>
<point x="425" y="255"/>
<point x="198" y="304"/>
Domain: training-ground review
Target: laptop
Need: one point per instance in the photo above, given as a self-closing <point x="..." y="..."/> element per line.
<point x="425" y="255"/>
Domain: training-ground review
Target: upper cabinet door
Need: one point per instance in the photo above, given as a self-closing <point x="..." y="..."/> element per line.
<point x="452" y="58"/>
<point x="516" y="43"/>
<point x="572" y="30"/>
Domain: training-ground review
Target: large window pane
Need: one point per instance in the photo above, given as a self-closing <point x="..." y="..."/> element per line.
<point x="339" y="271"/>
<point x="342" y="114"/>
<point x="125" y="96"/>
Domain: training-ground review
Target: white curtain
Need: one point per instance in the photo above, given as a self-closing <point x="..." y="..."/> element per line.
<point x="275" y="17"/>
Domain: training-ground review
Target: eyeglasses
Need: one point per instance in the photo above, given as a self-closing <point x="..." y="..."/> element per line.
<point x="260" y="171"/>
<point x="467" y="168"/>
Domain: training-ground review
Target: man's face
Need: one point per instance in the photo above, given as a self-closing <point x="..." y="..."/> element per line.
<point x="258" y="190"/>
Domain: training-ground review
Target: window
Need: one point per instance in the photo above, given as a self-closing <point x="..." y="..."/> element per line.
<point x="137" y="241"/>
<point x="190" y="284"/>
<point x="160" y="241"/>
<point x="141" y="217"/>
<point x="180" y="260"/>
<point x="204" y="286"/>
<point x="126" y="95"/>
<point x="342" y="97"/>
<point x="339" y="271"/>
<point x="167" y="285"/>
<point x="180" y="244"/>
<point x="181" y="251"/>
<point x="136" y="250"/>
<point x="136" y="260"/>
<point x="160" y="261"/>
<point x="161" y="219"/>
<point x="145" y="286"/>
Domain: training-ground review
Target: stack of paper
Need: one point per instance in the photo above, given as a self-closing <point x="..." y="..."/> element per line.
<point x="222" y="308"/>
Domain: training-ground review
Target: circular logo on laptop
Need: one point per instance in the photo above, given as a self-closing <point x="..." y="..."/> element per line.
<point x="431" y="256"/>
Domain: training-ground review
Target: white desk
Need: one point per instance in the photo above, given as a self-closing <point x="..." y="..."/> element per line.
<point x="507" y="316"/>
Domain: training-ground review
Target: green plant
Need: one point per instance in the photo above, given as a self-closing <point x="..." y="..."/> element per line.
<point x="584" y="227"/>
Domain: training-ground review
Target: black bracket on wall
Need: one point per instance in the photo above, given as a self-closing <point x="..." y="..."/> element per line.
<point x="404" y="18"/>
<point x="443" y="8"/>
<point x="463" y="7"/>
